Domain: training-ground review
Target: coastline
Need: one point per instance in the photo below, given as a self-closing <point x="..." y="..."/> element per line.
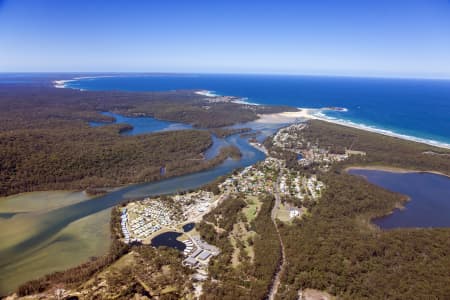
<point x="316" y="114"/>
<point x="306" y="114"/>
<point x="288" y="117"/>
<point x="61" y="84"/>
<point x="393" y="170"/>
<point x="212" y="94"/>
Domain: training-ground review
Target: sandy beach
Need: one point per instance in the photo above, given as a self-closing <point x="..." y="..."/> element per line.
<point x="287" y="117"/>
<point x="61" y="84"/>
<point x="393" y="170"/>
<point x="298" y="116"/>
<point x="316" y="113"/>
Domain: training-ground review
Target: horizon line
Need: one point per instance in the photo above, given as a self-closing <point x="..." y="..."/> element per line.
<point x="412" y="77"/>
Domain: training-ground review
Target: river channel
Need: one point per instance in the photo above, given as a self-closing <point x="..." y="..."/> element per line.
<point x="40" y="240"/>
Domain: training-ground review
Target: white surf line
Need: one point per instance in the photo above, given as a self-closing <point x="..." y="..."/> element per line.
<point x="314" y="113"/>
<point x="61" y="84"/>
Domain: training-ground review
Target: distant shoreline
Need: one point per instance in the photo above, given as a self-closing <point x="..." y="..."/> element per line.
<point x="393" y="170"/>
<point x="61" y="84"/>
<point x="316" y="114"/>
<point x="304" y="114"/>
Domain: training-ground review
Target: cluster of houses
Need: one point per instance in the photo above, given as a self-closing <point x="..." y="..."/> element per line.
<point x="315" y="154"/>
<point x="198" y="252"/>
<point x="123" y="223"/>
<point x="194" y="203"/>
<point x="149" y="217"/>
<point x="141" y="219"/>
<point x="294" y="212"/>
<point x="259" y="179"/>
<point x="292" y="184"/>
<point x="290" y="138"/>
<point x="253" y="180"/>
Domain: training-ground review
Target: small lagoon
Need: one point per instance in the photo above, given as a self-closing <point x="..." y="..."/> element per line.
<point x="168" y="239"/>
<point x="188" y="227"/>
<point x="141" y="125"/>
<point x="429" y="194"/>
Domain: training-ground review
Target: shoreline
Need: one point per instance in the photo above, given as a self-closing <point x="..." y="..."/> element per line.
<point x="303" y="114"/>
<point x="61" y="84"/>
<point x="393" y="170"/>
<point x="212" y="94"/>
<point x="316" y="114"/>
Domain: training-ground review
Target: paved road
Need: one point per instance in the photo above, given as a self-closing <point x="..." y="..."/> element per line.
<point x="277" y="277"/>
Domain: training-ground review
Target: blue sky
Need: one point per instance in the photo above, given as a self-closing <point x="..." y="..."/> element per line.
<point x="409" y="38"/>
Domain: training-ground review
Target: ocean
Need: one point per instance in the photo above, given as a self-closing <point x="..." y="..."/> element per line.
<point x="418" y="109"/>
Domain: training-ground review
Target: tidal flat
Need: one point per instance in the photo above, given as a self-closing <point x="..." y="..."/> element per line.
<point x="86" y="237"/>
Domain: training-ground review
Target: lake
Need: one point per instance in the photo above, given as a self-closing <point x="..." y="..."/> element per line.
<point x="168" y="239"/>
<point x="429" y="194"/>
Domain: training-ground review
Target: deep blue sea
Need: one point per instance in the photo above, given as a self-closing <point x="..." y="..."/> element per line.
<point x="414" y="107"/>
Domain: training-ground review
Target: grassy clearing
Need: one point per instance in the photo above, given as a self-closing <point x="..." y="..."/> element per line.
<point x="241" y="238"/>
<point x="235" y="256"/>
<point x="283" y="213"/>
<point x="187" y="235"/>
<point x="252" y="209"/>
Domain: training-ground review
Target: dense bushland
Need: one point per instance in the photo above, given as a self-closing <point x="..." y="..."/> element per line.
<point x="46" y="143"/>
<point x="380" y="149"/>
<point x="338" y="250"/>
<point x="250" y="280"/>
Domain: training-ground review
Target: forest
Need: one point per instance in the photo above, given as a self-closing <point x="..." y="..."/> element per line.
<point x="251" y="278"/>
<point x="334" y="248"/>
<point x="380" y="149"/>
<point x="46" y="142"/>
<point x="337" y="249"/>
